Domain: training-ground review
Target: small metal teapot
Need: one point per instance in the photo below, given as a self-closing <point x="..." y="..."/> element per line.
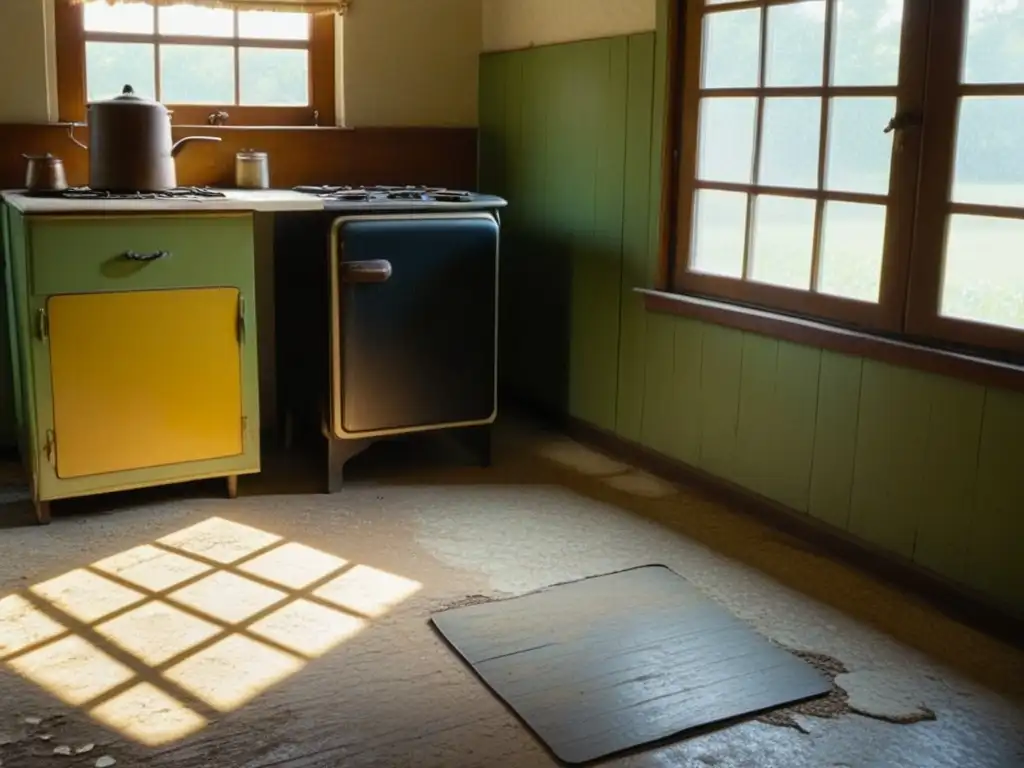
<point x="45" y="173"/>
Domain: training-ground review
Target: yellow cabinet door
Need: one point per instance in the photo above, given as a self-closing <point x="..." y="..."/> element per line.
<point x="144" y="379"/>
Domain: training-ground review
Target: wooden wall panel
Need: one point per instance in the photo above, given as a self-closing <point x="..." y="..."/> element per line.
<point x="892" y="438"/>
<point x="595" y="110"/>
<point x="721" y="374"/>
<point x="441" y="156"/>
<point x="951" y="476"/>
<point x="924" y="466"/>
<point x="835" y="438"/>
<point x="686" y="426"/>
<point x="755" y="434"/>
<point x="635" y="228"/>
<point x="566" y="126"/>
<point x="794" y="418"/>
<point x="660" y="398"/>
<point x="995" y="563"/>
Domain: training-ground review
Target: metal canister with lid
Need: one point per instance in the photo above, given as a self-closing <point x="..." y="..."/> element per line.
<point x="252" y="170"/>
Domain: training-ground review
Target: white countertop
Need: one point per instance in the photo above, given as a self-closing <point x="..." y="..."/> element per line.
<point x="234" y="200"/>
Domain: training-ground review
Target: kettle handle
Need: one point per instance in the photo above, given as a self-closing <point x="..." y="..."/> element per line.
<point x="180" y="143"/>
<point x="71" y="135"/>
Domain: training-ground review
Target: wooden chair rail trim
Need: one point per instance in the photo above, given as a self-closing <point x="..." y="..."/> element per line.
<point x="911" y="354"/>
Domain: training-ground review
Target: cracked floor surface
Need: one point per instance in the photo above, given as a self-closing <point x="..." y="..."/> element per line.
<point x="379" y="688"/>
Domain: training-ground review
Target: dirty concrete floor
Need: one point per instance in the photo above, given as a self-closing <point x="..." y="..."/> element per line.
<point x="350" y="674"/>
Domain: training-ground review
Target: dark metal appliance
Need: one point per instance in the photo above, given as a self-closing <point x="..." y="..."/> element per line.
<point x="386" y="305"/>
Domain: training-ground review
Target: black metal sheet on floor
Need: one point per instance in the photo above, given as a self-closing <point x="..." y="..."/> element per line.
<point x="614" y="662"/>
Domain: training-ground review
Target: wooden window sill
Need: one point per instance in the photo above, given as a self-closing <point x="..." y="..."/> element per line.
<point x="944" y="362"/>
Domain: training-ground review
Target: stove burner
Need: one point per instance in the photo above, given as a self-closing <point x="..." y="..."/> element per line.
<point x="379" y="193"/>
<point x="85" y="193"/>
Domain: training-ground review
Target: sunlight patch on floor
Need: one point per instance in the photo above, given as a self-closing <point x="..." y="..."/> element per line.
<point x="643" y="484"/>
<point x="154" y="641"/>
<point x="613" y="473"/>
<point x="580" y="458"/>
<point x="367" y="590"/>
<point x="148" y="715"/>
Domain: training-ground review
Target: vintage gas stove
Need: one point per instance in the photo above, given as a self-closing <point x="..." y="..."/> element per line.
<point x="86" y="193"/>
<point x="387" y="305"/>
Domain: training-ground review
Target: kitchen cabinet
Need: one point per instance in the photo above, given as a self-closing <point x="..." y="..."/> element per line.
<point x="133" y="344"/>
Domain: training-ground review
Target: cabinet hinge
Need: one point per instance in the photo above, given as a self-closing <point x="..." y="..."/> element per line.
<point x="43" y="324"/>
<point x="241" y="317"/>
<point x="50" y="448"/>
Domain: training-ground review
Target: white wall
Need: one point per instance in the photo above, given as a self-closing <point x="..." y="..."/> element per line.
<point x="401" y="62"/>
<point x="28" y="92"/>
<point x="411" y="62"/>
<point x="513" y="24"/>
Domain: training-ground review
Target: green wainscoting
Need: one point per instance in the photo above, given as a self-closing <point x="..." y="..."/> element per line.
<point x="929" y="468"/>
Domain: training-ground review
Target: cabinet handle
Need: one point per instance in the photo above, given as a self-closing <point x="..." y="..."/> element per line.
<point x="371" y="271"/>
<point x="136" y="256"/>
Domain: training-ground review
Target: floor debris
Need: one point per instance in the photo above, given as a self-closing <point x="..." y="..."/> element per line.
<point x="831" y="705"/>
<point x="870" y="694"/>
<point x="105" y="762"/>
<point x="62" y="750"/>
<point x="33" y="721"/>
<point x="877" y="694"/>
<point x="84" y="748"/>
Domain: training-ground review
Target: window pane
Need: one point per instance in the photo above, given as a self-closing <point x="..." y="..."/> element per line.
<point x="273" y="77"/>
<point x="796" y="44"/>
<point x="100" y="17"/>
<point x="719" y="232"/>
<point x="727" y="139"/>
<point x="867" y="42"/>
<point x="853" y="244"/>
<point x="995" y="42"/>
<point x="783" y="242"/>
<point x="989" y="162"/>
<point x="197" y="74"/>
<point x="732" y="49"/>
<point x="789" y="144"/>
<point x="984" y="274"/>
<point x="111" y="66"/>
<point x="273" y="26"/>
<point x="204" y="22"/>
<point x="859" y="153"/>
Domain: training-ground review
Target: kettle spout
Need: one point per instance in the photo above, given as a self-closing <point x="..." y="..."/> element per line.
<point x="180" y="143"/>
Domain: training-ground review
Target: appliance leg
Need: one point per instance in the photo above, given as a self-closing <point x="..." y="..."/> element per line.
<point x="477" y="441"/>
<point x="42" y="512"/>
<point x="232" y="486"/>
<point x="338" y="454"/>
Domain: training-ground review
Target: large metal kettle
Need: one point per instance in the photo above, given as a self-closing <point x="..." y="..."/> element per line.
<point x="130" y="146"/>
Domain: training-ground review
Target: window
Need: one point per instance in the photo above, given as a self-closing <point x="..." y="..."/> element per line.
<point x="856" y="161"/>
<point x="258" y="67"/>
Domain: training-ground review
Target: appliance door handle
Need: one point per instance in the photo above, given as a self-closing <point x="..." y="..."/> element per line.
<point x="154" y="256"/>
<point x="370" y="271"/>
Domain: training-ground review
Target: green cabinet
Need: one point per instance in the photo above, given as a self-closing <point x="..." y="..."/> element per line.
<point x="133" y="349"/>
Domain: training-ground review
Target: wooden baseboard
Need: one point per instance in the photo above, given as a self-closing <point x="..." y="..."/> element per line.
<point x="953" y="600"/>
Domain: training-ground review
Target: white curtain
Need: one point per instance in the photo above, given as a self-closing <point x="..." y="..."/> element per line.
<point x="302" y="6"/>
